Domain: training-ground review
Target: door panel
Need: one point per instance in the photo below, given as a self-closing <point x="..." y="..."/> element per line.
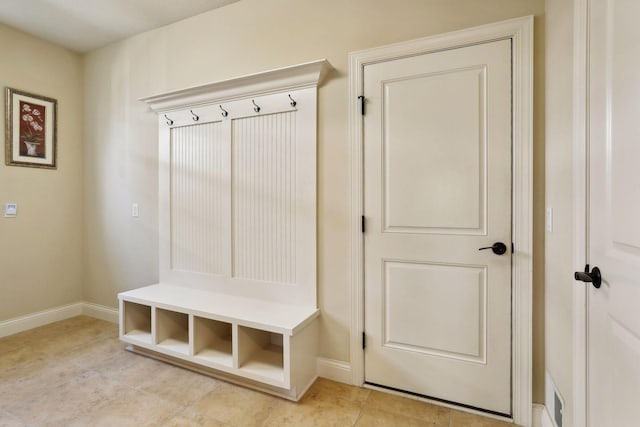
<point x="426" y="167"/>
<point x="437" y="162"/>
<point x="440" y="295"/>
<point x="614" y="228"/>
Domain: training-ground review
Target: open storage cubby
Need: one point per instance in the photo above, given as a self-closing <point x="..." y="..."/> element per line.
<point x="137" y="321"/>
<point x="212" y="341"/>
<point x="172" y="330"/>
<point x="261" y="353"/>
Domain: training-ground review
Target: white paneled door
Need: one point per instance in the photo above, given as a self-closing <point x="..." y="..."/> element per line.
<point x="614" y="214"/>
<point x="437" y="162"/>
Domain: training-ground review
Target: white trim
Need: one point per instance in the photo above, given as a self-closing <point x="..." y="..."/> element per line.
<point x="522" y="279"/>
<point x="334" y="370"/>
<point x="580" y="136"/>
<point x="541" y="417"/>
<point x="553" y="397"/>
<point x="309" y="74"/>
<point x="40" y="318"/>
<point x="519" y="30"/>
<point x="56" y="314"/>
<point x="101" y="312"/>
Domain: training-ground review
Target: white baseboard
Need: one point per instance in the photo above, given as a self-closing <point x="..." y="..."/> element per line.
<point x="541" y="417"/>
<point x="100" y="312"/>
<point x="41" y="318"/>
<point x="334" y="370"/>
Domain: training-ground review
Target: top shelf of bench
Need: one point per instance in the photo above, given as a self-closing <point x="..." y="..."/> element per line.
<point x="259" y="314"/>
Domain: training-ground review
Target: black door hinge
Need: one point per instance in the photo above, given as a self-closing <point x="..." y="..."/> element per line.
<point x="364" y="340"/>
<point x="513" y="248"/>
<point x="361" y="98"/>
<point x="362" y="223"/>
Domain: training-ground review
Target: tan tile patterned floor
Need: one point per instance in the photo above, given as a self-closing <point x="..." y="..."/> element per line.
<point x="77" y="373"/>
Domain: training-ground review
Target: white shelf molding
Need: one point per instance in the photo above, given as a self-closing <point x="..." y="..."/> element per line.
<point x="300" y="76"/>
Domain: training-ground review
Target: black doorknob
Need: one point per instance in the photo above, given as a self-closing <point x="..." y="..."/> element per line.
<point x="498" y="248"/>
<point x="589" y="277"/>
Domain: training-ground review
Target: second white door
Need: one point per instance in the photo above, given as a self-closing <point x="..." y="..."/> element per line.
<point x="614" y="214"/>
<point x="437" y="162"/>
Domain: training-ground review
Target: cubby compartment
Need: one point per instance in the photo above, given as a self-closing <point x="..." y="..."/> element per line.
<point x="172" y="330"/>
<point x="213" y="341"/>
<point x="261" y="353"/>
<point x="137" y="322"/>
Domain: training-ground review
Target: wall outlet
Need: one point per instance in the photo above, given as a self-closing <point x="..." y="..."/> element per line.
<point x="10" y="210"/>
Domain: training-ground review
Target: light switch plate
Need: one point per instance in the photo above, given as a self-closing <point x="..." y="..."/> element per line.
<point x="10" y="210"/>
<point x="135" y="210"/>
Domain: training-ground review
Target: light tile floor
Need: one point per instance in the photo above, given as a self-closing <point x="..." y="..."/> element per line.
<point x="77" y="373"/>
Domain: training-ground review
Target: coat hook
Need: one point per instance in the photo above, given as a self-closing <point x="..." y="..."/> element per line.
<point x="169" y="121"/>
<point x="225" y="113"/>
<point x="195" y="116"/>
<point x="293" y="101"/>
<point x="256" y="108"/>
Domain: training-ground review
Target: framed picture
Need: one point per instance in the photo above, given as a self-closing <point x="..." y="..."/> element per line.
<point x="30" y="130"/>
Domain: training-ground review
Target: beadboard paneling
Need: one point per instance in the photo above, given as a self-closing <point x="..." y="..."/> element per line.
<point x="200" y="199"/>
<point x="264" y="189"/>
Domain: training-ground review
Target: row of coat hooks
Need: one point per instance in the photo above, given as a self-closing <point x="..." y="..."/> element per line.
<point x="225" y="113"/>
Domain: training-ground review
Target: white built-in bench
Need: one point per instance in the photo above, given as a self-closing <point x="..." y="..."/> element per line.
<point x="266" y="342"/>
<point x="237" y="228"/>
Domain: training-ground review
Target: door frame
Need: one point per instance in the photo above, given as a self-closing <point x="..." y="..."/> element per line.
<point x="520" y="31"/>
<point x="580" y="391"/>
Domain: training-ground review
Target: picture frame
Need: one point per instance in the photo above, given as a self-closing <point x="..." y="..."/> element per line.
<point x="31" y="130"/>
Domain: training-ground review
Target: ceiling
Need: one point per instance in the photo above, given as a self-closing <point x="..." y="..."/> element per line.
<point x="83" y="25"/>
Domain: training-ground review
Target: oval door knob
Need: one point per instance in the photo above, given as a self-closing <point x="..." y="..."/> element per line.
<point x="498" y="248"/>
<point x="589" y="277"/>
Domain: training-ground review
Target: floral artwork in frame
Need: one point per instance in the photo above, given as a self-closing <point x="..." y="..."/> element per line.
<point x="30" y="128"/>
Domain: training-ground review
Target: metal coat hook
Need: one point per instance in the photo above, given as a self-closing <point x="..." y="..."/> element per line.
<point x="169" y="121"/>
<point x="195" y="116"/>
<point x="293" y="101"/>
<point x="225" y="113"/>
<point x="256" y="108"/>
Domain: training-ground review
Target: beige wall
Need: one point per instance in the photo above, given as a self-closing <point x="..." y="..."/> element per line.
<point x="41" y="256"/>
<point x="243" y="38"/>
<point x="559" y="196"/>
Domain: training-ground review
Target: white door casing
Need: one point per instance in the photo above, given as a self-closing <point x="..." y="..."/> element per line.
<point x="613" y="243"/>
<point x="437" y="188"/>
<point x="519" y="32"/>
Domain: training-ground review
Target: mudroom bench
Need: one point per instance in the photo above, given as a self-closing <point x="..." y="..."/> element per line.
<point x="265" y="345"/>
